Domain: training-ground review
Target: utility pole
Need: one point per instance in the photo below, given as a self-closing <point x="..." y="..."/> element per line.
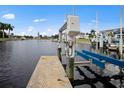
<point x="121" y="34"/>
<point x="121" y="42"/>
<point x="73" y="10"/>
<point x="66" y="14"/>
<point x="97" y="32"/>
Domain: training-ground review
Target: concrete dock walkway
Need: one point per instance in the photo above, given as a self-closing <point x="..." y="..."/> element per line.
<point x="49" y="73"/>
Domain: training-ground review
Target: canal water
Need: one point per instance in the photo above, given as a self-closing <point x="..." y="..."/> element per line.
<point x="19" y="58"/>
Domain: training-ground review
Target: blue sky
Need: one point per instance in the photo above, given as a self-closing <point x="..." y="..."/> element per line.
<point x="29" y="20"/>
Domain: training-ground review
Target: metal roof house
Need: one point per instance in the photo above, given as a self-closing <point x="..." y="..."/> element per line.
<point x="115" y="31"/>
<point x="115" y="34"/>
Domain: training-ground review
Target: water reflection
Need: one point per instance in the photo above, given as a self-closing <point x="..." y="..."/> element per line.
<point x="19" y="58"/>
<point x="5" y="67"/>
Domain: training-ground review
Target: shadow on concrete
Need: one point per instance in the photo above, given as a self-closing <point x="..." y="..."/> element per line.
<point x="105" y="80"/>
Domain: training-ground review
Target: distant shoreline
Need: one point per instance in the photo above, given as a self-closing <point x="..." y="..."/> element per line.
<point x="7" y="39"/>
<point x="78" y="41"/>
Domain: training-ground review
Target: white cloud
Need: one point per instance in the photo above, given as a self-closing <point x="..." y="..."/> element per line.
<point x="40" y="20"/>
<point x="23" y="33"/>
<point x="64" y="20"/>
<point x="55" y="33"/>
<point x="43" y="20"/>
<point x="89" y="24"/>
<point x="36" y="20"/>
<point x="8" y="16"/>
<point x="49" y="30"/>
<point x="30" y="28"/>
<point x="93" y="21"/>
<point x="43" y="33"/>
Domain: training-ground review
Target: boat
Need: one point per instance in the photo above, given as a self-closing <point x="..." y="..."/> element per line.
<point x="23" y="38"/>
<point x="114" y="46"/>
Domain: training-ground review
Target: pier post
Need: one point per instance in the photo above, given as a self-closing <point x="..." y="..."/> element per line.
<point x="70" y="69"/>
<point x="59" y="53"/>
<point x="70" y="57"/>
<point x="70" y="54"/>
<point x="59" y="46"/>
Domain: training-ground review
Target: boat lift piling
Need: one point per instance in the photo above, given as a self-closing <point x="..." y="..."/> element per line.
<point x="101" y="44"/>
<point x="59" y="47"/>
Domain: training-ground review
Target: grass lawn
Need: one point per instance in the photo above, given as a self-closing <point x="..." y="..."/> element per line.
<point x="83" y="40"/>
<point x="4" y="39"/>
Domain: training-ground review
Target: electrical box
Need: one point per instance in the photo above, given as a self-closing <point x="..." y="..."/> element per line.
<point x="73" y="25"/>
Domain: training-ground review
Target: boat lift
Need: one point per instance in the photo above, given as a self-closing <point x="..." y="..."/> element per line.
<point x="67" y="35"/>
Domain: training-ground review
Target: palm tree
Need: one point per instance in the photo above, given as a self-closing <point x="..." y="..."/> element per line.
<point x="10" y="28"/>
<point x="2" y="28"/>
<point x="110" y="36"/>
<point x="92" y="34"/>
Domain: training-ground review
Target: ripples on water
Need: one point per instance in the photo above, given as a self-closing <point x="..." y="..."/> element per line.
<point x="19" y="58"/>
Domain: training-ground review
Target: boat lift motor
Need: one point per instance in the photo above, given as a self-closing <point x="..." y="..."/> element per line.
<point x="69" y="31"/>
